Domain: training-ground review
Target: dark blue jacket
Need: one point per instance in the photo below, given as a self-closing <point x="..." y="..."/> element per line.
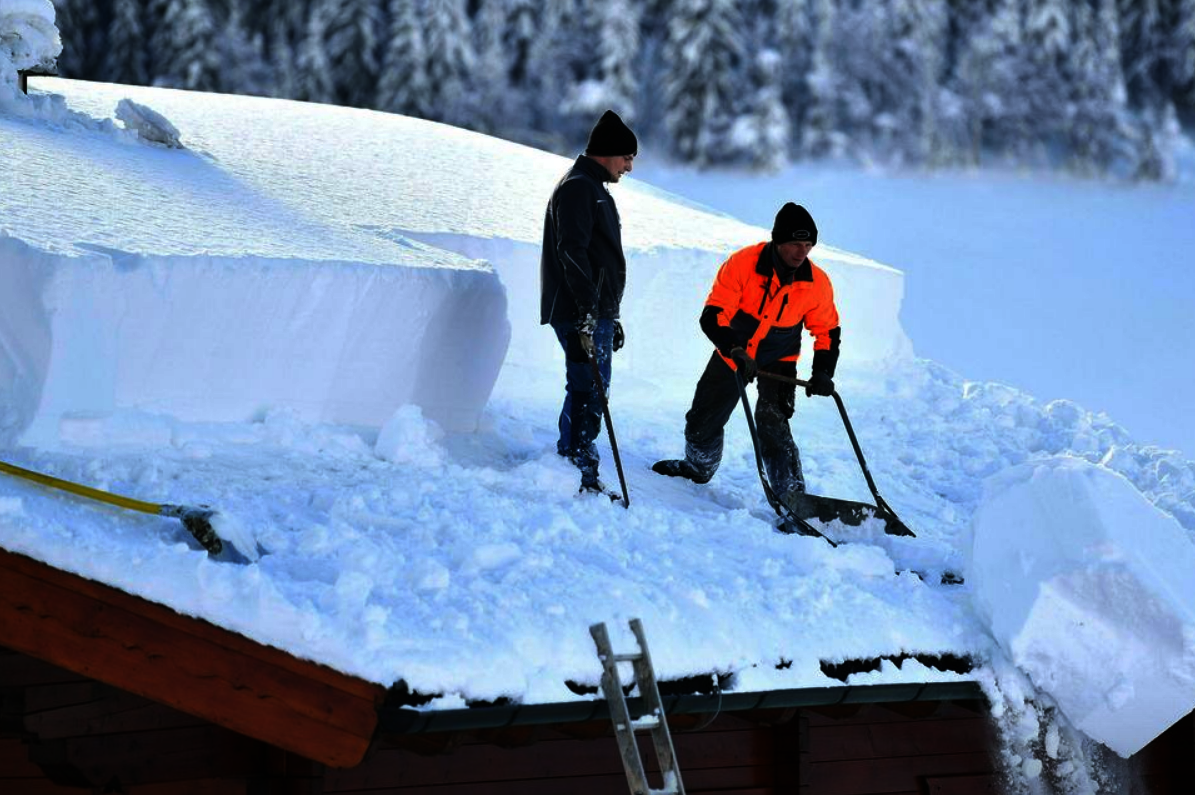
<point x="582" y="239"/>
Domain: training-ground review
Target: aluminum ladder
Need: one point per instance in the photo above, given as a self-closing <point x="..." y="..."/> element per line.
<point x="652" y="720"/>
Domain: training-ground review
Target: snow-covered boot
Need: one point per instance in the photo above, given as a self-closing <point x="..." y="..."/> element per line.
<point x="592" y="484"/>
<point x="679" y="468"/>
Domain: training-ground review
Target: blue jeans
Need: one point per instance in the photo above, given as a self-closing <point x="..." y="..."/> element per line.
<point x="581" y="415"/>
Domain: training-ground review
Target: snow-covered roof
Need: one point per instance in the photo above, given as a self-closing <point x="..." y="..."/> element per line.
<point x="463" y="563"/>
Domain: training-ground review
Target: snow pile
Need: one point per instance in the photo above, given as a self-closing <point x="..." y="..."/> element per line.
<point x="28" y="39"/>
<point x="1088" y="588"/>
<point x="149" y="125"/>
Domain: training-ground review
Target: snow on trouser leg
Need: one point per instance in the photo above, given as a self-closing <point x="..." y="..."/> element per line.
<point x="781" y="458"/>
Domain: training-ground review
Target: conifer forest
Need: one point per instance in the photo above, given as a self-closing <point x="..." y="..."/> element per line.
<point x="1100" y="88"/>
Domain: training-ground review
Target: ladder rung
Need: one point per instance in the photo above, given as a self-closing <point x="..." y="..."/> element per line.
<point x="627" y="657"/>
<point x="646" y="722"/>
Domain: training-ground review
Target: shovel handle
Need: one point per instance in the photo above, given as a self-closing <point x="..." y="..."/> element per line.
<point x="80" y="490"/>
<point x="850" y="432"/>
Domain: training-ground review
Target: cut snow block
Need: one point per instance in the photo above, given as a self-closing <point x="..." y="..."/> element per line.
<point x="108" y="338"/>
<point x="1090" y="589"/>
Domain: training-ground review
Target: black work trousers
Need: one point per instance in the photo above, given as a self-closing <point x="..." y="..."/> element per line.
<point x="715" y="400"/>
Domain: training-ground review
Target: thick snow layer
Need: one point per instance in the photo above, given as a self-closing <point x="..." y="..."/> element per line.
<point x="391" y="178"/>
<point x="87" y="340"/>
<point x="28" y="38"/>
<point x="1089" y="589"/>
<point x="150" y="281"/>
<point x="230" y="214"/>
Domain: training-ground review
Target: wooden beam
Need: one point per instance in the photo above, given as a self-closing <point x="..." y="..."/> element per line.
<point x="186" y="663"/>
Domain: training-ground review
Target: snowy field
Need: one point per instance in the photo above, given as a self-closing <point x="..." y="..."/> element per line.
<point x="461" y="560"/>
<point x="1063" y="288"/>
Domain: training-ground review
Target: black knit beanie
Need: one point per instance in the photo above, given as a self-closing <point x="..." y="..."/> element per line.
<point x="610" y="137"/>
<point x="794" y="222"/>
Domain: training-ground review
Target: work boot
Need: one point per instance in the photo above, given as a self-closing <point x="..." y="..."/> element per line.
<point x="592" y="484"/>
<point x="679" y="468"/>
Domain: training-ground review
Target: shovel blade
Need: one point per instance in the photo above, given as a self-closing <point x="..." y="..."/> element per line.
<point x="815" y="508"/>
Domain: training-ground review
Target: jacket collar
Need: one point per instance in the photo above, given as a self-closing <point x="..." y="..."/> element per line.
<point x="592" y="168"/>
<point x="765" y="266"/>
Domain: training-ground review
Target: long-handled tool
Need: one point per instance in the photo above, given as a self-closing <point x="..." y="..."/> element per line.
<point x="790" y="522"/>
<point x="601" y="387"/>
<point x="198" y="521"/>
<point x="827" y="509"/>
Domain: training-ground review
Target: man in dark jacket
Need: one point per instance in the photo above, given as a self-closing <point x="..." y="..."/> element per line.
<point x="763" y="298"/>
<point x="582" y="275"/>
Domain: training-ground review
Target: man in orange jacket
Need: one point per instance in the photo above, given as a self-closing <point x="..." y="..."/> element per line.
<point x="763" y="297"/>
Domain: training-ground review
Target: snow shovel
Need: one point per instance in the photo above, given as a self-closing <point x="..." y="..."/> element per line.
<point x="196" y="520"/>
<point x="849" y="512"/>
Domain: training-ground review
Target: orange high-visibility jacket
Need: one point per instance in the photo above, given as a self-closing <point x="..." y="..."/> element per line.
<point x="764" y="316"/>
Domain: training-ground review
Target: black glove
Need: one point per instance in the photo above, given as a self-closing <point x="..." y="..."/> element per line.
<point x="585" y="328"/>
<point x="620" y="336"/>
<point x="820" y="384"/>
<point x="745" y="364"/>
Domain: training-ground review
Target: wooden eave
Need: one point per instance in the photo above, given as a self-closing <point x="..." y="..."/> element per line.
<point x="186" y="663"/>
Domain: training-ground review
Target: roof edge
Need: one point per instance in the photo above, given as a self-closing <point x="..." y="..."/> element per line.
<point x="404" y="720"/>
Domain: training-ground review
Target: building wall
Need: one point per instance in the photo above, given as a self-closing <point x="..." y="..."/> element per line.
<point x="61" y="734"/>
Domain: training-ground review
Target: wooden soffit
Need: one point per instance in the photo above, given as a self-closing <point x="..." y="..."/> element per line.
<point x="186" y="663"/>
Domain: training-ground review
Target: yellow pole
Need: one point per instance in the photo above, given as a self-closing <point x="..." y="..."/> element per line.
<point x="81" y="490"/>
<point x="196" y="520"/>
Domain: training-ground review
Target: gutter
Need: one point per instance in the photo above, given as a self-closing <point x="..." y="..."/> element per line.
<point x="395" y="720"/>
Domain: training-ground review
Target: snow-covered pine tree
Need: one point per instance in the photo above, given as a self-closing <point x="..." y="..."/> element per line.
<point x="791" y="29"/>
<point x="81" y="24"/>
<point x="282" y="25"/>
<point x="911" y="56"/>
<point x="1182" y="49"/>
<point x="609" y="80"/>
<point x="194" y="61"/>
<point x="760" y="133"/>
<point x="125" y="56"/>
<point x="242" y="53"/>
<point x="279" y="54"/>
<point x="820" y="133"/>
<point x="1143" y="50"/>
<point x="1048" y="46"/>
<point x="618" y="54"/>
<point x="496" y="104"/>
<point x="351" y="40"/>
<point x="403" y="86"/>
<point x="313" y="70"/>
<point x="703" y="58"/>
<point x="859" y="80"/>
<point x="991" y="113"/>
<point x="159" y="36"/>
<point x="556" y="63"/>
<point x="450" y="61"/>
<point x="1100" y="136"/>
<point x="1159" y="141"/>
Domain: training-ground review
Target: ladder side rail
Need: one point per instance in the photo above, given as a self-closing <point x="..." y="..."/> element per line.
<point x="624" y="731"/>
<point x="661" y="736"/>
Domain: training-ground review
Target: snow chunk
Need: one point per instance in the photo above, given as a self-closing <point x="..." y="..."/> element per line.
<point x="1088" y="588"/>
<point x="149" y="125"/>
<point x="407" y="438"/>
